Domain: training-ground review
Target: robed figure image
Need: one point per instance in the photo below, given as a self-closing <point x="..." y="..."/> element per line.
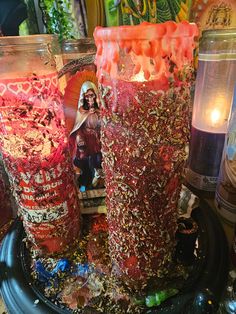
<point x="85" y="135"/>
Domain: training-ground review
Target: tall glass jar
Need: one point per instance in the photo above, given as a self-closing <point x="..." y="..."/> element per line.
<point x="33" y="141"/>
<point x="225" y="196"/>
<point x="79" y="70"/>
<point x="216" y="77"/>
<point x="75" y="49"/>
<point x="145" y="74"/>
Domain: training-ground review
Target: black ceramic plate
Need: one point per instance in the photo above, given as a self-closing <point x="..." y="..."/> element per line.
<point x="200" y="293"/>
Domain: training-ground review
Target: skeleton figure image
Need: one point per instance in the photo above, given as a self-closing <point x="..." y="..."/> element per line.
<point x="85" y="138"/>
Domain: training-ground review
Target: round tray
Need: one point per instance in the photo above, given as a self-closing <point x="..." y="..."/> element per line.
<point x="200" y="294"/>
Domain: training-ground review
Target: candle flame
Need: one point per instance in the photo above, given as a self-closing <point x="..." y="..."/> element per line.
<point x="138" y="77"/>
<point x="215" y="116"/>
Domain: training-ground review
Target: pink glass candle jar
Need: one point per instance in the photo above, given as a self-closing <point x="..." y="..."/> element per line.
<point x="33" y="141"/>
<point x="145" y="75"/>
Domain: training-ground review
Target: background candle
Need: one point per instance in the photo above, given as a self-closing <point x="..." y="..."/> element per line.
<point x="33" y="142"/>
<point x="212" y="103"/>
<point x="226" y="187"/>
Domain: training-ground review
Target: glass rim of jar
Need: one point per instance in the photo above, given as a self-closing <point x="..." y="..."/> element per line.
<point x="29" y="40"/>
<point x="146" y="31"/>
<point x="81" y="45"/>
<point x="74" y="42"/>
<point x="219" y="32"/>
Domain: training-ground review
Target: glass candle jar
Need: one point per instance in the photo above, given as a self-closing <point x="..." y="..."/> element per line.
<point x="75" y="48"/>
<point x="145" y="74"/>
<point x="225" y="197"/>
<point x="216" y="77"/>
<point x="73" y="51"/>
<point x="33" y="141"/>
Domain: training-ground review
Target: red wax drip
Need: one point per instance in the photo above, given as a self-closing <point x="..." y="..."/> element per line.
<point x="146" y="49"/>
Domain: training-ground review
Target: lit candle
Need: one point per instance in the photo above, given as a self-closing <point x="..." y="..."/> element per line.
<point x="34" y="144"/>
<point x="145" y="128"/>
<point x="215" y="117"/>
<point x="212" y="104"/>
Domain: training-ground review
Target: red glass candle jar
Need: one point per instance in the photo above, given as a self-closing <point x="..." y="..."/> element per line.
<point x="34" y="143"/>
<point x="145" y="75"/>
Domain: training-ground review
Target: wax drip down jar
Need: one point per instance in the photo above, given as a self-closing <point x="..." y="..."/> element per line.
<point x="144" y="75"/>
<point x="216" y="76"/>
<point x="33" y="142"/>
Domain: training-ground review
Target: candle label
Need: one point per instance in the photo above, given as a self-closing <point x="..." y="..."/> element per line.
<point x="202" y="182"/>
<point x="26" y="86"/>
<point x="83" y="122"/>
<point x="36" y="202"/>
<point x="214" y="14"/>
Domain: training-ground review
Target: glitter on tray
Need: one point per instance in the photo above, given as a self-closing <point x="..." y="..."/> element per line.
<point x="51" y="277"/>
<point x="82" y="270"/>
<point x="62" y="265"/>
<point x="85" y="280"/>
<point x="43" y="274"/>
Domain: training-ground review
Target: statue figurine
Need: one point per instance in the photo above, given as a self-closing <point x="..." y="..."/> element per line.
<point x="87" y="155"/>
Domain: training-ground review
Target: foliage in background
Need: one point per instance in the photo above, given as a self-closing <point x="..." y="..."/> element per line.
<point x="30" y="25"/>
<point x="58" y="17"/>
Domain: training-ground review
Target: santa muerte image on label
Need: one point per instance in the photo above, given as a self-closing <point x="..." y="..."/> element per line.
<point x="83" y="123"/>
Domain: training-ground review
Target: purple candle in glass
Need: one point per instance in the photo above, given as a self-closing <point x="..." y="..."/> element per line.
<point x="212" y="104"/>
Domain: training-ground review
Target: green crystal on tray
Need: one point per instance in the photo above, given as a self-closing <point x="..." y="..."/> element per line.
<point x="159" y="297"/>
<point x="156" y="298"/>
